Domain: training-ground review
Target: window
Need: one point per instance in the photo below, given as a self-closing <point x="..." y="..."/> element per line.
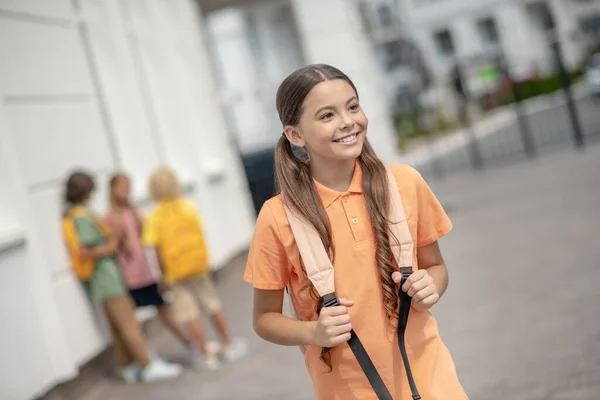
<point x="444" y="43"/>
<point x="591" y="26"/>
<point x="394" y="55"/>
<point x="488" y="31"/>
<point x="385" y="15"/>
<point x="541" y="15"/>
<point x="594" y="61"/>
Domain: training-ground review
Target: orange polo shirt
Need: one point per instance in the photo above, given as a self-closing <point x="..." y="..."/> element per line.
<point x="274" y="262"/>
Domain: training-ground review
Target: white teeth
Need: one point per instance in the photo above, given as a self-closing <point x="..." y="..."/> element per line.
<point x="347" y="139"/>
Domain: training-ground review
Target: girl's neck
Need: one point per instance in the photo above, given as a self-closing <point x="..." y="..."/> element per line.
<point x="334" y="175"/>
<point x="115" y="206"/>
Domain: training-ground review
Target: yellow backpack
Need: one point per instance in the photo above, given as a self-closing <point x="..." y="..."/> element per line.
<point x="83" y="268"/>
<point x="182" y="247"/>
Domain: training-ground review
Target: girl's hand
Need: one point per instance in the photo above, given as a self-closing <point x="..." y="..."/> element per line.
<point x="333" y="326"/>
<point x="111" y="246"/>
<point x="420" y="287"/>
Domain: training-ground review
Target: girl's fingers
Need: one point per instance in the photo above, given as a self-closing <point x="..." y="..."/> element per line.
<point x="346" y="303"/>
<point x="334" y="311"/>
<point x="339" y="320"/>
<point x="424" y="293"/>
<point x="340" y="339"/>
<point x="340" y="330"/>
<point x="417" y="287"/>
<point x="414" y="277"/>
<point x="427" y="302"/>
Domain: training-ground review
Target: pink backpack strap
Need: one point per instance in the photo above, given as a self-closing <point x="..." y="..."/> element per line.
<point x="316" y="261"/>
<point x="403" y="247"/>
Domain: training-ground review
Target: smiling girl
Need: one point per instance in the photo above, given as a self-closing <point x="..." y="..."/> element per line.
<point x="342" y="192"/>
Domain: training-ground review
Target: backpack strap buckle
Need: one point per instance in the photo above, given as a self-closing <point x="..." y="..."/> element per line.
<point x="406" y="272"/>
<point x="331" y="300"/>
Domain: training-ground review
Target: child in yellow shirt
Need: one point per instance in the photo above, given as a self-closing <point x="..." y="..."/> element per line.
<point x="174" y="230"/>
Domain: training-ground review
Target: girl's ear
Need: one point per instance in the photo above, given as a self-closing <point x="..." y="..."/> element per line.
<point x="293" y="135"/>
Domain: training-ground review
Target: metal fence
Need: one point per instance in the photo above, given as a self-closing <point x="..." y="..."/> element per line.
<point x="482" y="114"/>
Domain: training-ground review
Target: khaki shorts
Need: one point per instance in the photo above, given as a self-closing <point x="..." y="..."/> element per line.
<point x="193" y="296"/>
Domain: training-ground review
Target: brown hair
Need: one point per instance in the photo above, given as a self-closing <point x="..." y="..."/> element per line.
<point x="79" y="185"/>
<point x="164" y="185"/>
<point x="294" y="182"/>
<point x="116" y="177"/>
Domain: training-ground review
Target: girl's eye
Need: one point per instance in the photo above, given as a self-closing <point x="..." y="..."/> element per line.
<point x="354" y="107"/>
<point x="327" y="116"/>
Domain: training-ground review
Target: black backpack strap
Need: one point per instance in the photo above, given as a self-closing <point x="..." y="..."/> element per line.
<point x="403" y="312"/>
<point x="331" y="300"/>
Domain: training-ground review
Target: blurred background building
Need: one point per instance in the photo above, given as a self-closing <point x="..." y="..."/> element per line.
<point x="135" y="84"/>
<point x="419" y="42"/>
<point x="414" y="45"/>
<point x="101" y="85"/>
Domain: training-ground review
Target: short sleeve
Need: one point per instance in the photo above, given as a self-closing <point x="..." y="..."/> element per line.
<point x="87" y="233"/>
<point x="150" y="231"/>
<point x="267" y="266"/>
<point x="432" y="221"/>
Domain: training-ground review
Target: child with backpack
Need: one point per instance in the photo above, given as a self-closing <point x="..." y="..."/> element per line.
<point x="174" y="230"/>
<point x="92" y="247"/>
<point x="355" y="244"/>
<point x="131" y="255"/>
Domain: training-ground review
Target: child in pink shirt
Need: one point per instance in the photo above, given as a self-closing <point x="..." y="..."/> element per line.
<point x="131" y="255"/>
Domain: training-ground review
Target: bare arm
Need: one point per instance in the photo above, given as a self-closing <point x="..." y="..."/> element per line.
<point x="430" y="258"/>
<point x="271" y="325"/>
<point x="332" y="328"/>
<point x="105" y="250"/>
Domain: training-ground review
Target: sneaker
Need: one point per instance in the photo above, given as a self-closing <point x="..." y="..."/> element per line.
<point x="210" y="361"/>
<point x="130" y="373"/>
<point x="159" y="370"/>
<point x="235" y="351"/>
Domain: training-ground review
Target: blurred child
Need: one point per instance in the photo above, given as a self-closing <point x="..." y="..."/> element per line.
<point x="174" y="230"/>
<point x="92" y="248"/>
<point x="131" y="255"/>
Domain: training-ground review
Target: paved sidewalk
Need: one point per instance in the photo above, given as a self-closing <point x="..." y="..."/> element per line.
<point x="521" y="315"/>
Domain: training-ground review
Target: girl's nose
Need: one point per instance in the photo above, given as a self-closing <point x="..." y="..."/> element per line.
<point x="347" y="122"/>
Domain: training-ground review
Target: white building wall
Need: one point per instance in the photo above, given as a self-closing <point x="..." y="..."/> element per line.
<point x="254" y="49"/>
<point x="279" y="50"/>
<point x="112" y="84"/>
<point x="239" y="79"/>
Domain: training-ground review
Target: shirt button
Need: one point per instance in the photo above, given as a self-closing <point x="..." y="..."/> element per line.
<point x="355" y="221"/>
<point x="345" y="199"/>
